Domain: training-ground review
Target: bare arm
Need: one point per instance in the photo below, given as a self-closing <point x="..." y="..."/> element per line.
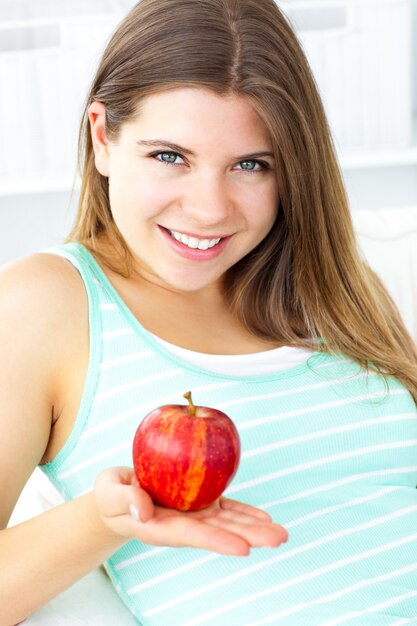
<point x="43" y="556"/>
<point x="29" y="330"/>
<point x="40" y="301"/>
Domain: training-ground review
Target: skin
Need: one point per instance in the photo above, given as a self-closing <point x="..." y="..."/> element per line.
<point x="208" y="193"/>
<point x="44" y="337"/>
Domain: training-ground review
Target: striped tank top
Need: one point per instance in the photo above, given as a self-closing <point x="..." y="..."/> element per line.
<point x="327" y="449"/>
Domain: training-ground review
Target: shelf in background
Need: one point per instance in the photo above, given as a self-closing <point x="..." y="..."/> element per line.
<point x="38" y="186"/>
<point x="389" y="157"/>
<point x="382" y="158"/>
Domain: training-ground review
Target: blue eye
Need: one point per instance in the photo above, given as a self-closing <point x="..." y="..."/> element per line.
<point x="169" y="158"/>
<point x="251" y="166"/>
<point x="248" y="165"/>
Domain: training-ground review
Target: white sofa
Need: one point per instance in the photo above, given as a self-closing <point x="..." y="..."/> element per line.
<point x="388" y="239"/>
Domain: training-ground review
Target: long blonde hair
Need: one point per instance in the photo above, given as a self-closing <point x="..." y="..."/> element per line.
<point x="307" y="278"/>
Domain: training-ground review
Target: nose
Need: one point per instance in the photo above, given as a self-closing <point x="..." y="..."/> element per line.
<point x="207" y="199"/>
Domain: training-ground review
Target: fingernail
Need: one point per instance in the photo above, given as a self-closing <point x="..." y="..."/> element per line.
<point x="134" y="512"/>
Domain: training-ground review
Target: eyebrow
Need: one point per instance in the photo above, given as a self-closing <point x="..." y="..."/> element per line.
<point x="186" y="151"/>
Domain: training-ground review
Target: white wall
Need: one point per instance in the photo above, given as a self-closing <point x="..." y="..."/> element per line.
<point x="31" y="222"/>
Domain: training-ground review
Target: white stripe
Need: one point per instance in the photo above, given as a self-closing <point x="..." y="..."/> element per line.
<point x="318" y="462"/>
<point x="386" y="419"/>
<point x="108" y="306"/>
<point x="371" y="609"/>
<point x="137" y="356"/>
<point x="301" y="579"/>
<point x="143" y="409"/>
<point x="120" y="332"/>
<point x="82" y="492"/>
<point x="219" y="385"/>
<point x="284" y="555"/>
<point x="339" y="507"/>
<point x="137" y="412"/>
<point x="94" y="459"/>
<point x="338" y="483"/>
<point x="405" y="620"/>
<point x="314" y="408"/>
<point x="170" y="574"/>
<point x="139" y="557"/>
<point x="336" y="594"/>
<point x="135" y="383"/>
<point x="293" y="391"/>
<point x="173" y="573"/>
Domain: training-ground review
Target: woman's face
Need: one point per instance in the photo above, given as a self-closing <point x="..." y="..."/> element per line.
<point x="192" y="184"/>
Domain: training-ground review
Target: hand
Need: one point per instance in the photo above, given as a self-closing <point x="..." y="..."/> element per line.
<point x="226" y="526"/>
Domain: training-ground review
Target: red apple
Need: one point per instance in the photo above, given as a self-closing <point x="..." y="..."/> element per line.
<point x="184" y="456"/>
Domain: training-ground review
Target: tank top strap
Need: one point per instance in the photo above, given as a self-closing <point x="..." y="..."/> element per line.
<point x="97" y="297"/>
<point x="78" y="256"/>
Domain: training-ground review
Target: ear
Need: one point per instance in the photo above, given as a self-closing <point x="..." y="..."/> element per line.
<point x="97" y="118"/>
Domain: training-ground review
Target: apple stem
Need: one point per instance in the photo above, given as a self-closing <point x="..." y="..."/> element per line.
<point x="190" y="402"/>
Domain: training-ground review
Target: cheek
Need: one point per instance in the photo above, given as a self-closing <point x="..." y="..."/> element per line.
<point x="134" y="203"/>
<point x="263" y="209"/>
<point x="140" y="183"/>
<point x="265" y="225"/>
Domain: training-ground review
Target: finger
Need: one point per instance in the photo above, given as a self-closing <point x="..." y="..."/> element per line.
<point x="256" y="534"/>
<point x="235" y="505"/>
<point x="127" y="476"/>
<point x="140" y="505"/>
<point x="183" y="530"/>
<point x="232" y="515"/>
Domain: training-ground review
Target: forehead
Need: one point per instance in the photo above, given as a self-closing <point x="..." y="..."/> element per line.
<point x="197" y="112"/>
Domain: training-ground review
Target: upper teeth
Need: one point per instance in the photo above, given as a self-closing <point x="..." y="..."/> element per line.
<point x="193" y="242"/>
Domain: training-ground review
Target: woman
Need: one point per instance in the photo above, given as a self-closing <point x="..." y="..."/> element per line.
<point x="212" y="251"/>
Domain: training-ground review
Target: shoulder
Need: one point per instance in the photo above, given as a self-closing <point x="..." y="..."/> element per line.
<point x="42" y="305"/>
<point x="39" y="283"/>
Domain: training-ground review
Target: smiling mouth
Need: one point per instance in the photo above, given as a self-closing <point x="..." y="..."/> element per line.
<point x="194" y="242"/>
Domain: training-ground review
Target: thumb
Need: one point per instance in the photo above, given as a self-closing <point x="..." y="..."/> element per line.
<point x="118" y="493"/>
<point x="140" y="504"/>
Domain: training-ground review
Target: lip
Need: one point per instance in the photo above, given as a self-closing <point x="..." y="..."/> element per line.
<point x="194" y="254"/>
